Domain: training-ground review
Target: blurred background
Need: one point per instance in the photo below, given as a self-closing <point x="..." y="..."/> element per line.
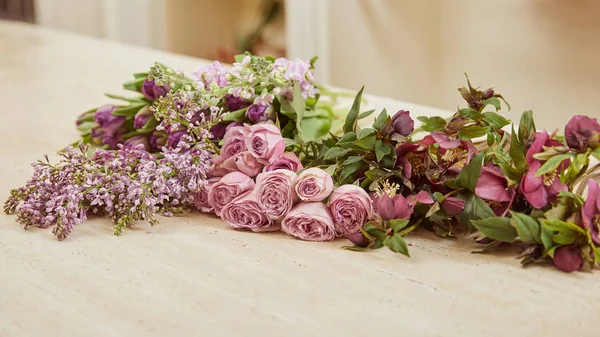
<point x="541" y="54"/>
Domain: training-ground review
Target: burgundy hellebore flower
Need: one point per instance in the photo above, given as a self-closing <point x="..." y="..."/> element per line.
<point x="152" y="91"/>
<point x="493" y="186"/>
<point x="450" y="205"/>
<point x="568" y="258"/>
<point x="402" y="123"/>
<point x="539" y="191"/>
<point x="590" y="213"/>
<point x="393" y="208"/>
<point x="580" y="130"/>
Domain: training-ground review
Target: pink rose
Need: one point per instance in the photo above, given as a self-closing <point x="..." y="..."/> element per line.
<point x="350" y="207"/>
<point x="314" y="184"/>
<point x="275" y="193"/>
<point x="201" y="200"/>
<point x="309" y="221"/>
<point x="243" y="162"/>
<point x="287" y="161"/>
<point x="234" y="142"/>
<point x="228" y="188"/>
<point x="265" y="143"/>
<point x="244" y="212"/>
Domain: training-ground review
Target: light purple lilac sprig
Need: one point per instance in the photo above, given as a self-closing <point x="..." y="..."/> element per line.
<point x="125" y="185"/>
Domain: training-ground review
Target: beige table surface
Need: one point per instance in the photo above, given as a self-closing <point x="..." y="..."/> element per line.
<point x="193" y="276"/>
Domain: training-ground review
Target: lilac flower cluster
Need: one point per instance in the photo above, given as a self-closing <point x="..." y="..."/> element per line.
<point x="126" y="185"/>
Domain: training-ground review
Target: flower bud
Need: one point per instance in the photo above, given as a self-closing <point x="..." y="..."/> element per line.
<point x="152" y="91"/>
<point x="143" y="118"/>
<point x="402" y="123"/>
<point x="259" y="113"/>
<point x="568" y="258"/>
<point x="488" y="93"/>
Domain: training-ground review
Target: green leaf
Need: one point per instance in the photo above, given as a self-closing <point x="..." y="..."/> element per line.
<point x="516" y="151"/>
<point x="86" y="126"/>
<point x="237" y="115"/>
<point x="364" y="133"/>
<point x="552" y="164"/>
<point x="135" y="85"/>
<point x="355" y="248"/>
<point x="398" y="224"/>
<point x="376" y="174"/>
<point x="432" y="123"/>
<point x="289" y="142"/>
<point x="579" y="200"/>
<point x="349" y="170"/>
<point x="126" y="99"/>
<point x="527" y="228"/>
<point x="546" y="236"/>
<point x="381" y="149"/>
<point x="315" y="128"/>
<point x="596" y="153"/>
<point x="396" y="244"/>
<point x="331" y="169"/>
<point x="496" y="228"/>
<point x="563" y="232"/>
<point x="374" y="231"/>
<point x="129" y="110"/>
<point x="350" y="124"/>
<point x="381" y="119"/>
<point x="288" y="129"/>
<point x="367" y="143"/>
<point x="495" y="120"/>
<point x="335" y="152"/>
<point x="347" y="139"/>
<point x="471" y="113"/>
<point x="473" y="131"/>
<point x="468" y="176"/>
<point x="352" y="160"/>
<point x="492" y="101"/>
<point x="577" y="164"/>
<point x="475" y="208"/>
<point x="526" y="126"/>
<point x="299" y="106"/>
<point x="366" y="114"/>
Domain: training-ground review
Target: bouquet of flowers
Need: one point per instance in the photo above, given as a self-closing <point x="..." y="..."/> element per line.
<point x="256" y="145"/>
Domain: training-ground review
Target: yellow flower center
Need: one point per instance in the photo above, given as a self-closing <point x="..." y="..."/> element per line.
<point x="451" y="155"/>
<point x="549" y="178"/>
<point x="388" y="188"/>
<point x="418" y="166"/>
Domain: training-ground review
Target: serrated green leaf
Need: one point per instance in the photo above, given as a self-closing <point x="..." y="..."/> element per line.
<point x="335" y="152"/>
<point x="396" y="244"/>
<point x="577" y="164"/>
<point x="516" y="151"/>
<point x="352" y="159"/>
<point x="579" y="200"/>
<point x="546" y="236"/>
<point x="347" y="139"/>
<point x="596" y="153"/>
<point x="526" y="126"/>
<point x="350" y="124"/>
<point x="527" y="228"/>
<point x="552" y="164"/>
<point x="374" y="231"/>
<point x="315" y="128"/>
<point x="432" y="123"/>
<point x="468" y="176"/>
<point x="382" y="149"/>
<point x="234" y="116"/>
<point x="495" y="120"/>
<point x="510" y="172"/>
<point x="381" y="119"/>
<point x="365" y="114"/>
<point x="475" y="208"/>
<point x="364" y="133"/>
<point x="349" y="169"/>
<point x="376" y="174"/>
<point x="470" y="113"/>
<point x="496" y="228"/>
<point x="563" y="232"/>
<point x="473" y="131"/>
<point x="367" y="143"/>
<point x="331" y="169"/>
<point x="492" y="101"/>
<point x="398" y="224"/>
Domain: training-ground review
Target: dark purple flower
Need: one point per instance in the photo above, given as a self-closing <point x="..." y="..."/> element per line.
<point x="590" y="213"/>
<point x="174" y="139"/>
<point x="488" y="94"/>
<point x="258" y="113"/>
<point x="493" y="186"/>
<point x="568" y="258"/>
<point x="152" y="91"/>
<point x="453" y="205"/>
<point x="358" y="239"/>
<point x="393" y="208"/>
<point x="142" y="118"/>
<point x="233" y="103"/>
<point x="105" y="119"/>
<point x="136" y="141"/>
<point x="157" y="140"/>
<point x="402" y="123"/>
<point x="580" y="131"/>
<point x="540" y="190"/>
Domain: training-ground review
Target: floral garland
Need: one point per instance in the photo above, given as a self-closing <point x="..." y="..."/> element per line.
<point x="257" y="146"/>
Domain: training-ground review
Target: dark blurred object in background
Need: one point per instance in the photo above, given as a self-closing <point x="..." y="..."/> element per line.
<point x="19" y="10"/>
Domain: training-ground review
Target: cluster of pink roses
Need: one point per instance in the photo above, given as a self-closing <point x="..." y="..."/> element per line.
<point x="255" y="186"/>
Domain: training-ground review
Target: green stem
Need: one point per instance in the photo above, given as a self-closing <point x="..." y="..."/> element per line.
<point x="411" y="228"/>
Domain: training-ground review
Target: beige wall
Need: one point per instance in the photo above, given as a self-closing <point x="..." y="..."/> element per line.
<point x="541" y="54"/>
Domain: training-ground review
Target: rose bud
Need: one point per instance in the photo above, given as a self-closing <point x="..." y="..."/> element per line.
<point x="243" y="162"/>
<point x="228" y="188"/>
<point x="350" y="208"/>
<point x="453" y="205"/>
<point x="581" y="131"/>
<point x="287" y="161"/>
<point x="358" y="239"/>
<point x="488" y="93"/>
<point x="275" y="194"/>
<point x="310" y="221"/>
<point x="265" y="143"/>
<point x="234" y="142"/>
<point x="259" y="113"/>
<point x="402" y="123"/>
<point x="175" y="138"/>
<point x="136" y="142"/>
<point x="143" y="118"/>
<point x="158" y="139"/>
<point x="314" y="184"/>
<point x="568" y="258"/>
<point x="201" y="200"/>
<point x="244" y="212"/>
<point x="152" y="91"/>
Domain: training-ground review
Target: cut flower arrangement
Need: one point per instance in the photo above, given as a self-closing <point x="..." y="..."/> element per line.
<point x="257" y="145"/>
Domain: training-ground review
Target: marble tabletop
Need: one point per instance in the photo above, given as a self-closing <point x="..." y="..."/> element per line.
<point x="193" y="276"/>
